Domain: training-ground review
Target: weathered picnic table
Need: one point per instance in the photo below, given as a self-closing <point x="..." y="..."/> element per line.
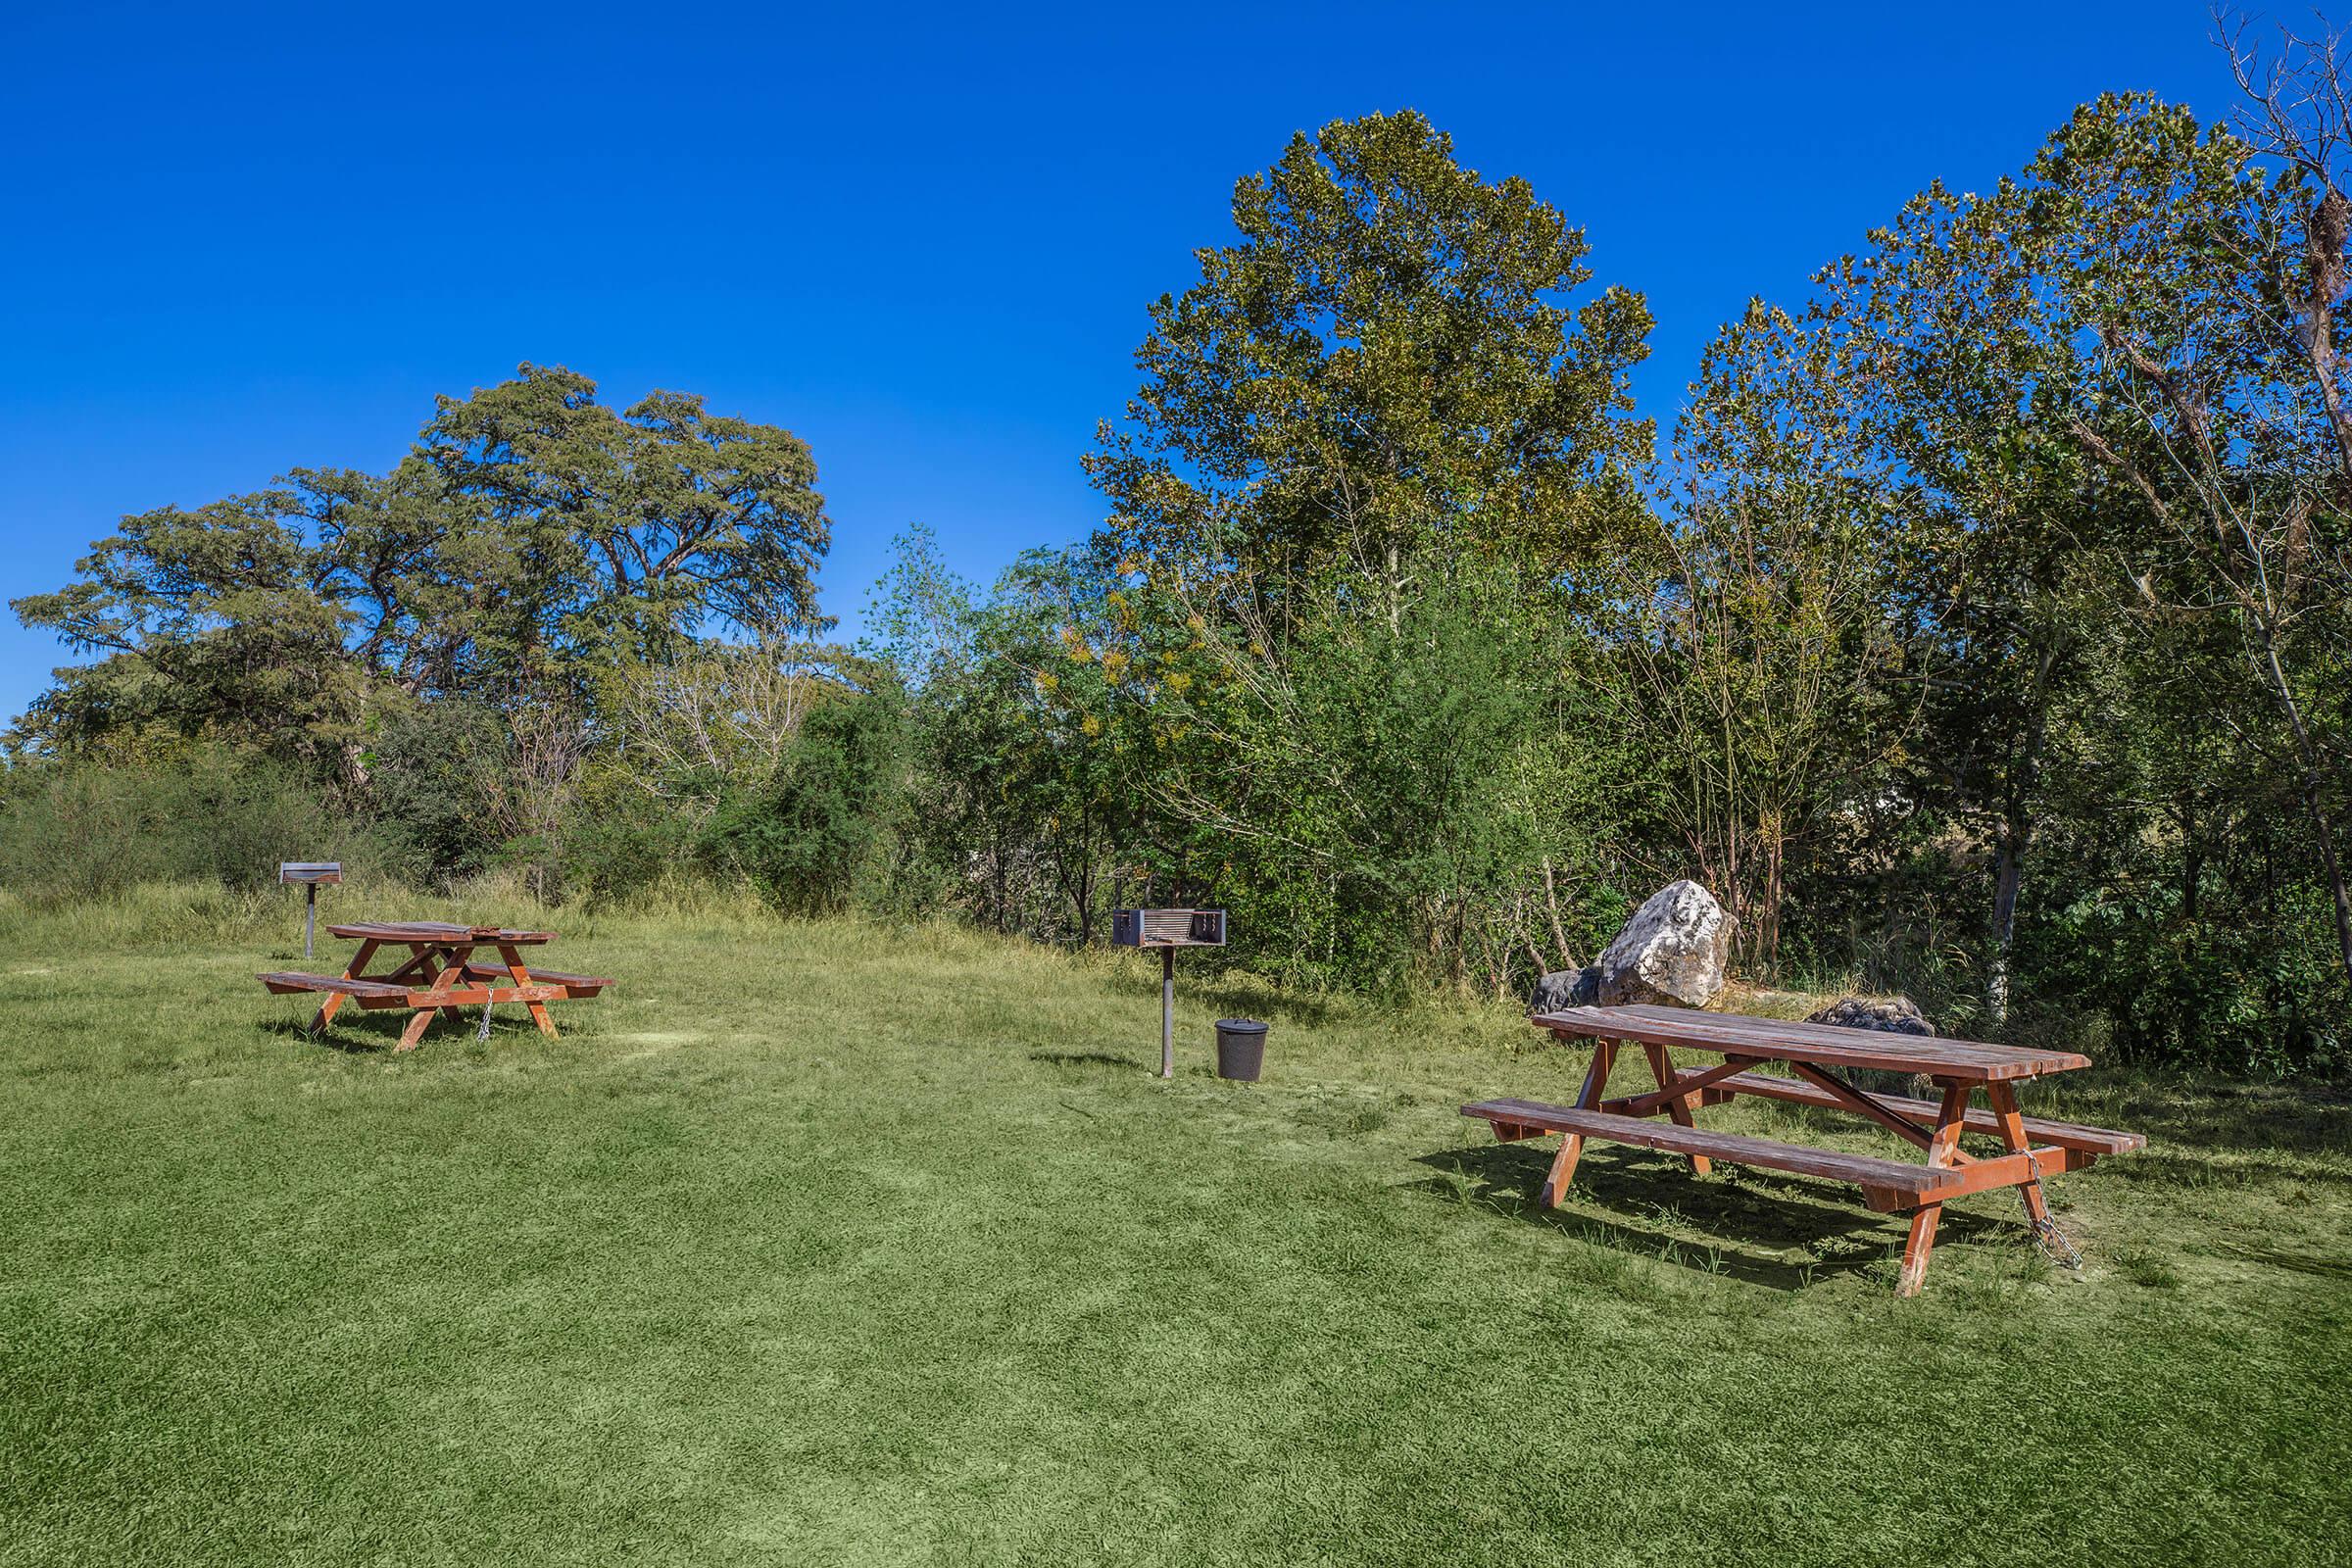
<point x="439" y="976"/>
<point x="2031" y="1147"/>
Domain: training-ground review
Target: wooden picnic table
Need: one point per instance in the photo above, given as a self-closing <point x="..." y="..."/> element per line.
<point x="439" y="976"/>
<point x="2031" y="1147"/>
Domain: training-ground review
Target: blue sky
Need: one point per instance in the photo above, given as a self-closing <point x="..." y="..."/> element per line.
<point x="240" y="239"/>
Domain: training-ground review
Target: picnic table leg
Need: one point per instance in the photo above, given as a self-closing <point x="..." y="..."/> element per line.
<point x="1662" y="1064"/>
<point x="522" y="977"/>
<point x="426" y="1013"/>
<point x="1950" y="1119"/>
<point x="1596" y="1083"/>
<point x="2013" y="1139"/>
<point x="354" y="970"/>
<point x="454" y="962"/>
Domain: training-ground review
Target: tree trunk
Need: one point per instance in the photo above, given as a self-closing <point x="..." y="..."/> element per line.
<point x="2017" y="834"/>
<point x="1559" y="930"/>
<point x="2009" y="873"/>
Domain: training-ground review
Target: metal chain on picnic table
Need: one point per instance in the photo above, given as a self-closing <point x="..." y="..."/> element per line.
<point x="2054" y="1242"/>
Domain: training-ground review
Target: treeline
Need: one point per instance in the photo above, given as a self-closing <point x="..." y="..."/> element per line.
<point x="1981" y="628"/>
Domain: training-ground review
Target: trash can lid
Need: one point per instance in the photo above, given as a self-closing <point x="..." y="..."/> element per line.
<point x="1241" y="1026"/>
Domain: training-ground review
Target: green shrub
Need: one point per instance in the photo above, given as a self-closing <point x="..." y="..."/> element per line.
<point x="85" y="830"/>
<point x="431" y="774"/>
<point x="814" y="837"/>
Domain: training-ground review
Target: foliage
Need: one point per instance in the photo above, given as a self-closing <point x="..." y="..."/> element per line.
<point x="531" y="539"/>
<point x="808" y="835"/>
<point x="1984" y="632"/>
<point x="1758" y="641"/>
<point x="88" y="829"/>
<point x="1386" y="362"/>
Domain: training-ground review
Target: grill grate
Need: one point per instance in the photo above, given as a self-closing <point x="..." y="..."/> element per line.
<point x="1169" y="928"/>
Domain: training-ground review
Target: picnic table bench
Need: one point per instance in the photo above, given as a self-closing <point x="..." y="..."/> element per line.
<point x="440" y="976"/>
<point x="2031" y="1147"/>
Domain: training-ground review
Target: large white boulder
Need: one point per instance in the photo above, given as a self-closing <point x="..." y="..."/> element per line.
<point x="1672" y="950"/>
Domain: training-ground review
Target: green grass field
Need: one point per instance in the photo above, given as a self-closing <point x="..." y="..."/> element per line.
<point x="836" y="1243"/>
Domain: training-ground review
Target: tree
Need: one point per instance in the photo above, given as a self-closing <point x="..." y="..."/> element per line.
<point x="223" y="621"/>
<point x="2211" y="398"/>
<point x="1385" y="362"/>
<point x="1957" y="367"/>
<point x="573" y="528"/>
<point x="1378" y="416"/>
<point x="1028" y="731"/>
<point x="530" y="539"/>
<point x="1761" y="637"/>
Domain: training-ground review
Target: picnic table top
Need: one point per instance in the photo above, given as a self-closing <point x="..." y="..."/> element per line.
<point x="438" y="931"/>
<point x="1821" y="1044"/>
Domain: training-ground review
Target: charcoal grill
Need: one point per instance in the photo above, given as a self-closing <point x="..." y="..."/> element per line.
<point x="1167" y="930"/>
<point x="311" y="875"/>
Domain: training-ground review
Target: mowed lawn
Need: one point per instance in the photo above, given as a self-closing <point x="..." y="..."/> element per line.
<point x="837" y="1243"/>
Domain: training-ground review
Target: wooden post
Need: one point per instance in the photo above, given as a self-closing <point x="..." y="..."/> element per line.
<point x="357" y="969"/>
<point x="2013" y="1139"/>
<point x="1167" y="1013"/>
<point x="1572" y="1145"/>
<point x="1661" y="1067"/>
<point x="1943" y="1148"/>
<point x="511" y="956"/>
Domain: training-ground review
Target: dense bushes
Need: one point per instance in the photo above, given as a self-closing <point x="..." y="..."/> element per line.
<point x="817" y="832"/>
<point x="93" y="829"/>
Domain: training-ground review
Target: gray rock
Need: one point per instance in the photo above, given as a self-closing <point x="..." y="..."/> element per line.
<point x="1672" y="950"/>
<point x="1898" y="1015"/>
<point x="1566" y="988"/>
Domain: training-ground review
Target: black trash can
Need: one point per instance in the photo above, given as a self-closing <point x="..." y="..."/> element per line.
<point x="1241" y="1049"/>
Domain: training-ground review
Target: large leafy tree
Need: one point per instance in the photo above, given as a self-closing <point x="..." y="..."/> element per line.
<point x="1760" y="638"/>
<point x="1386" y="360"/>
<point x="531" y="538"/>
<point x="1370" y="445"/>
<point x="2115" y="374"/>
<point x="571" y="527"/>
<point x="223" y="621"/>
<point x="2102" y="396"/>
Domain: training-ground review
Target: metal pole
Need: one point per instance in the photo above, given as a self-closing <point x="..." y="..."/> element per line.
<point x="1167" y="1013"/>
<point x="310" y="918"/>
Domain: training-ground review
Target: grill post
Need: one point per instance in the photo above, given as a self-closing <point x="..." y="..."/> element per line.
<point x="310" y="873"/>
<point x="1167" y="930"/>
<point x="1167" y="1013"/>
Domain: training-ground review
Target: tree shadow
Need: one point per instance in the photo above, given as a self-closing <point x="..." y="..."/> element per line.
<point x="1087" y="1058"/>
<point x="1735" y="1205"/>
<point x="2215" y="1118"/>
<point x="1235" y="1000"/>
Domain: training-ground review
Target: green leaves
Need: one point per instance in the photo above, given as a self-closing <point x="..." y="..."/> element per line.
<point x="1385" y="361"/>
<point x="532" y="538"/>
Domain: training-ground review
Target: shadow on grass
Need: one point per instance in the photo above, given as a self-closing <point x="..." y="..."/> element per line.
<point x="1237" y="994"/>
<point x="1086" y="1058"/>
<point x="2221" y="1118"/>
<point x="367" y="1034"/>
<point x="1734" y="1206"/>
